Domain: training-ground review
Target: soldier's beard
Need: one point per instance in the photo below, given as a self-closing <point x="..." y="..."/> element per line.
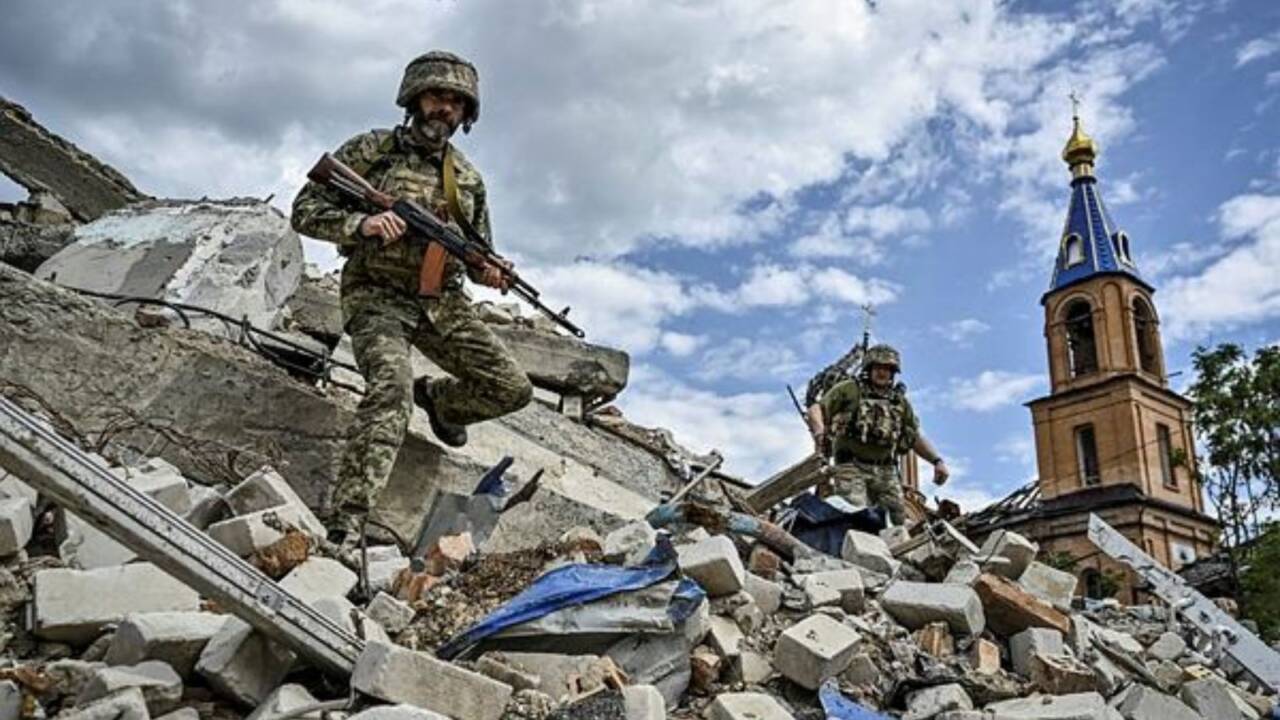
<point x="432" y="131"/>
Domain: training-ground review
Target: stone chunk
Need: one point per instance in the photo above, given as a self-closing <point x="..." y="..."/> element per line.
<point x="16" y="524"/>
<point x="929" y="702"/>
<point x="1061" y="674"/>
<point x="813" y="650"/>
<point x="1017" y="551"/>
<point x="160" y="685"/>
<point x="1010" y="609"/>
<point x="845" y="585"/>
<point x="10" y="700"/>
<point x="715" y="564"/>
<point x="1169" y="646"/>
<point x="984" y="657"/>
<point x="63" y="615"/>
<point x="964" y="572"/>
<point x="1210" y="697"/>
<point x="868" y="551"/>
<point x="397" y="712"/>
<point x="631" y="543"/>
<point x="207" y="507"/>
<point x="1053" y="586"/>
<point x="126" y="704"/>
<point x="644" y="702"/>
<point x="267" y="489"/>
<point x="392" y="614"/>
<point x="243" y="664"/>
<point x="344" y="613"/>
<point x="161" y="481"/>
<point x="247" y="534"/>
<point x="1078" y="706"/>
<point x="12" y="487"/>
<point x="1140" y="702"/>
<point x="935" y="639"/>
<point x="1031" y="641"/>
<point x="319" y="577"/>
<point x="395" y="674"/>
<point x="746" y="706"/>
<point x="176" y="638"/>
<point x="725" y="637"/>
<point x="285" y="699"/>
<point x="917" y="604"/>
<point x="187" y="713"/>
<point x="752" y="668"/>
<point x="767" y="594"/>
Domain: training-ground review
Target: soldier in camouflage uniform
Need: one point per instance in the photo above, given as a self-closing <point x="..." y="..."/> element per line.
<point x="381" y="308"/>
<point x="869" y="424"/>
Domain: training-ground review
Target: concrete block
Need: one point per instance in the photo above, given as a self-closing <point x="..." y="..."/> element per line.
<point x="746" y="706"/>
<point x="247" y="534"/>
<point x="383" y="571"/>
<point x="161" y="481"/>
<point x="1210" y="697"/>
<point x="84" y="546"/>
<point x="1010" y="609"/>
<point x="1031" y="641"/>
<point x="1109" y="677"/>
<point x="917" y="604"/>
<point x="964" y="572"/>
<point x="1053" y="586"/>
<point x="1078" y="706"/>
<point x="895" y="535"/>
<point x="1061" y="674"/>
<point x="1140" y="702"/>
<point x="267" y="489"/>
<point x="931" y="701"/>
<point x="16" y="524"/>
<point x="10" y="700"/>
<point x="1017" y="551"/>
<point x="343" y="612"/>
<point x="631" y="543"/>
<point x="244" y="665"/>
<point x="160" y="685"/>
<point x="1169" y="646"/>
<point x="748" y="614"/>
<point x="63" y="615"/>
<point x="68" y="677"/>
<point x="984" y="657"/>
<point x="715" y="564"/>
<point x="846" y="585"/>
<point x="392" y="614"/>
<point x="284" y="699"/>
<point x="186" y="713"/>
<point x="767" y="594"/>
<point x="319" y="577"/>
<point x="176" y="638"/>
<point x="868" y="551"/>
<point x="862" y="670"/>
<point x="397" y="712"/>
<point x="752" y="668"/>
<point x="1122" y="641"/>
<point x="12" y="487"/>
<point x="698" y="624"/>
<point x="495" y="665"/>
<point x="207" y="507"/>
<point x="126" y="704"/>
<point x="395" y="674"/>
<point x="644" y="702"/>
<point x="813" y="650"/>
<point x="725" y="637"/>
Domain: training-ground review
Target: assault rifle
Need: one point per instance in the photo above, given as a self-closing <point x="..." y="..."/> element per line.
<point x="440" y="239"/>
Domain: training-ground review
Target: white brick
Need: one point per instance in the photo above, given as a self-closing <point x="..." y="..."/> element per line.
<point x="868" y="551"/>
<point x="243" y="664"/>
<point x="746" y="706"/>
<point x="1078" y="706"/>
<point x="1031" y="641"/>
<point x="247" y="534"/>
<point x="176" y="638"/>
<point x="340" y="610"/>
<point x="161" y="481"/>
<point x="160" y="685"/>
<point x="319" y="577"/>
<point x="16" y="524"/>
<point x="813" y="650"/>
<point x="266" y="489"/>
<point x="631" y="543"/>
<point x="394" y="674"/>
<point x="284" y="699"/>
<point x="917" y="604"/>
<point x="397" y="712"/>
<point x="1211" y="698"/>
<point x="1018" y="551"/>
<point x="392" y="614"/>
<point x="644" y="702"/>
<point x="12" y="487"/>
<point x="767" y="594"/>
<point x="715" y="564"/>
<point x="846" y="584"/>
<point x="1053" y="586"/>
<point x="207" y="507"/>
<point x="62" y="613"/>
<point x="931" y="701"/>
<point x="725" y="637"/>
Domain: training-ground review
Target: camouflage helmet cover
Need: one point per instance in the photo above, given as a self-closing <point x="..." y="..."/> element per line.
<point x="442" y="70"/>
<point x="883" y="355"/>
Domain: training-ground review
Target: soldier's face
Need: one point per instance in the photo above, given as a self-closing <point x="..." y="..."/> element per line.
<point x="881" y="375"/>
<point x="441" y="111"/>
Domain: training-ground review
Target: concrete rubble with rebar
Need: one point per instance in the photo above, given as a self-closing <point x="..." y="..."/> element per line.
<point x="925" y="624"/>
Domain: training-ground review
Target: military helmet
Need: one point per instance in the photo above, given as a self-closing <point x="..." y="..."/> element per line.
<point x="441" y="70"/>
<point x="883" y="355"/>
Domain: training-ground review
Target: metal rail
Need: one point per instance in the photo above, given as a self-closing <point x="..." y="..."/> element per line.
<point x="1232" y="638"/>
<point x="81" y="483"/>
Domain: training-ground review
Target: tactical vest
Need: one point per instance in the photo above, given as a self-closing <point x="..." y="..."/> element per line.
<point x="876" y="429"/>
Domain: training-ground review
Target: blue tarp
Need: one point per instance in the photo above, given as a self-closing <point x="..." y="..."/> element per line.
<point x="577" y="585"/>
<point x="822" y="526"/>
<point x="839" y="707"/>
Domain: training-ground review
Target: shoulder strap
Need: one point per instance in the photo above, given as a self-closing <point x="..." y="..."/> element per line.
<point x="451" y="197"/>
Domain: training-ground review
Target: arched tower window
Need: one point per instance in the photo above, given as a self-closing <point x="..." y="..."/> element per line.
<point x="1121" y="242"/>
<point x="1093" y="584"/>
<point x="1073" y="251"/>
<point x="1144" y="329"/>
<point x="1082" y="347"/>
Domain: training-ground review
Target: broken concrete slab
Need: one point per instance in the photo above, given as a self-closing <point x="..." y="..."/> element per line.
<point x="746" y="706"/>
<point x="1211" y="698"/>
<point x="725" y="637"/>
<point x="845" y="584"/>
<point x="767" y="594"/>
<point x="1031" y="641"/>
<point x="126" y="704"/>
<point x="397" y="712"/>
<point x="345" y="614"/>
<point x="41" y="160"/>
<point x="187" y="713"/>
<point x="567" y="365"/>
<point x="245" y="535"/>
<point x="242" y="664"/>
<point x="16" y="524"/>
<point x="10" y="700"/>
<point x="1010" y="609"/>
<point x="1140" y="702"/>
<point x="929" y="702"/>
<point x="813" y="650"/>
<point x="631" y="543"/>
<point x="207" y="507"/>
<point x="644" y="702"/>
<point x="286" y="699"/>
<point x="1077" y="706"/>
<point x="62" y="615"/>
<point x="392" y="614"/>
<point x="319" y="577"/>
<point x="394" y="674"/>
<point x="1051" y="585"/>
<point x="868" y="551"/>
<point x="1017" y="551"/>
<point x="176" y="638"/>
<point x="715" y="564"/>
<point x="915" y="605"/>
<point x="160" y="685"/>
<point x="160" y="480"/>
<point x="266" y="489"/>
<point x="1169" y="646"/>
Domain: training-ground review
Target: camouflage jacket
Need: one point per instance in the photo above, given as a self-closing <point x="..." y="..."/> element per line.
<point x="392" y="161"/>
<point x="839" y="371"/>
<point x="868" y="424"/>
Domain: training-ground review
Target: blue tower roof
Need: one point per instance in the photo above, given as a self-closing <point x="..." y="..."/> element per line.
<point x="1091" y="244"/>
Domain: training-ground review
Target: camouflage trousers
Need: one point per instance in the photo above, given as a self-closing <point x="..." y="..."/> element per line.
<point x="865" y="484"/>
<point x="486" y="383"/>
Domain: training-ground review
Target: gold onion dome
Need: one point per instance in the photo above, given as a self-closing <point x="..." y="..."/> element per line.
<point x="1080" y="151"/>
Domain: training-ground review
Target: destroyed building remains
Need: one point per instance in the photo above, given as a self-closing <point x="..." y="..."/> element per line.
<point x="167" y="435"/>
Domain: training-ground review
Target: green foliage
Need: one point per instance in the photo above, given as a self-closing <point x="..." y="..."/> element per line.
<point x="1060" y="560"/>
<point x="1110" y="583"/>
<point x="1261" y="583"/>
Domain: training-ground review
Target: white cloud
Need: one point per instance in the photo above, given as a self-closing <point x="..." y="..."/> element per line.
<point x="1242" y="286"/>
<point x="1257" y="49"/>
<point x="681" y="344"/>
<point x="748" y="359"/>
<point x="758" y="433"/>
<point x="1018" y="448"/>
<point x="992" y="390"/>
<point x="961" y="332"/>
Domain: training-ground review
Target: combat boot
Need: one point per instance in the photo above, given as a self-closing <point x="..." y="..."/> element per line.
<point x="448" y="433"/>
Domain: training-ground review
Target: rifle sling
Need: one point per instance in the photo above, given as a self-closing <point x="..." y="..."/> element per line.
<point x="451" y="197"/>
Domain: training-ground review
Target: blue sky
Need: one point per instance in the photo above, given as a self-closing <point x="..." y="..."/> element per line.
<point x="716" y="186"/>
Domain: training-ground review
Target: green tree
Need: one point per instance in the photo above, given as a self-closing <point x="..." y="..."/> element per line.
<point x="1261" y="583"/>
<point x="1237" y="417"/>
